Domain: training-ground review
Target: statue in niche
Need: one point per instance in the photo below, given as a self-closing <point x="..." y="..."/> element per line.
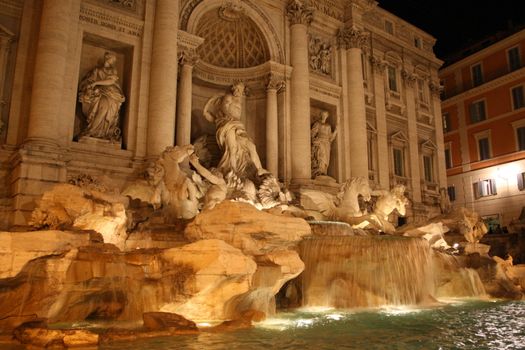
<point x="322" y="138"/>
<point x="238" y="150"/>
<point x="101" y="98"/>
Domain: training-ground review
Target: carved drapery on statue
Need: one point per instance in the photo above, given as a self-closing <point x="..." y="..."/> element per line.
<point x="322" y="138"/>
<point x="239" y="155"/>
<point x="101" y="98"/>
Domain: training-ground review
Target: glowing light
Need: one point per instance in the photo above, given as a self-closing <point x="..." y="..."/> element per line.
<point x="335" y="317"/>
<point x="456" y="245"/>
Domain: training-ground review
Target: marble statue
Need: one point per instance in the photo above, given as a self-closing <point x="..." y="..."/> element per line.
<point x="239" y="153"/>
<point x="322" y="138"/>
<point x="444" y="201"/>
<point x="387" y="202"/>
<point x="342" y="207"/>
<point x="101" y="98"/>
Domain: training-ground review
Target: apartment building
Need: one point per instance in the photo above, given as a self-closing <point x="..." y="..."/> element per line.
<point x="483" y="108"/>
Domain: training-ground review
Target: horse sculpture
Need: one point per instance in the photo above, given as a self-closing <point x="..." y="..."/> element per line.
<point x="344" y="206"/>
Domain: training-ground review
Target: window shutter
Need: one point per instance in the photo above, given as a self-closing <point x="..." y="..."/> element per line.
<point x="521" y="185"/>
<point x="493" y="187"/>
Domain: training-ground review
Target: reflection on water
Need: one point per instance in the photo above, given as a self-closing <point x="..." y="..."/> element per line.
<point x="463" y="325"/>
<point x="467" y="325"/>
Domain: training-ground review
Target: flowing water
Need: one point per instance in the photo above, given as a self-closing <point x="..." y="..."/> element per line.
<point x="357" y="271"/>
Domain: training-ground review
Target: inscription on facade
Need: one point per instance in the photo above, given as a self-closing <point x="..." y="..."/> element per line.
<point x="115" y="23"/>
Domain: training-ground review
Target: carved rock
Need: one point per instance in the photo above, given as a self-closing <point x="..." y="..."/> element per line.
<point x="244" y="227"/>
<point x="163" y="320"/>
<point x="69" y="206"/>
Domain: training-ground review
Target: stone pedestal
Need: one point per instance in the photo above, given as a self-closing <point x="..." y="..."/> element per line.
<point x="99" y="142"/>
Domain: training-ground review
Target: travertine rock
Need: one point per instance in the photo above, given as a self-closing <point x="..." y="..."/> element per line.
<point x="222" y="272"/>
<point x="163" y="320"/>
<point x="68" y="206"/>
<point x="244" y="227"/>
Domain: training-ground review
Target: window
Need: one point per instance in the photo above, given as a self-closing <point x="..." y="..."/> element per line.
<point x="484" y="148"/>
<point x="521" y="181"/>
<point x="520" y="134"/>
<point x="484" y="188"/>
<point x="364" y="67"/>
<point x="399" y="162"/>
<point x="448" y="158"/>
<point x="422" y="91"/>
<point x="446" y="122"/>
<point x="513" y="55"/>
<point x="477" y="111"/>
<point x="389" y="27"/>
<point x="428" y="168"/>
<point x="518" y="101"/>
<point x="451" y="190"/>
<point x="417" y="42"/>
<point x="392" y="79"/>
<point x="477" y="75"/>
<point x="370" y="149"/>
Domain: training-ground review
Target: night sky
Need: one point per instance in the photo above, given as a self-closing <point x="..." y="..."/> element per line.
<point x="457" y="24"/>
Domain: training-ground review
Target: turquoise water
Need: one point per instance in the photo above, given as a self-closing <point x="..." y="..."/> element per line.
<point x="469" y="325"/>
<point x="466" y="325"/>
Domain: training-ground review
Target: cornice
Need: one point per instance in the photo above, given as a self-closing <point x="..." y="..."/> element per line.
<point x="255" y="77"/>
<point x="488" y="86"/>
<point x="477" y="56"/>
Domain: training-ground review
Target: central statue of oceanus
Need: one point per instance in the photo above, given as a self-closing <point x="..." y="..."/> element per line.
<point x="239" y="154"/>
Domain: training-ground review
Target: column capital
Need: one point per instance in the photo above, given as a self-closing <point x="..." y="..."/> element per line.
<point x="351" y="37"/>
<point x="299" y="12"/>
<point x="408" y="78"/>
<point x="274" y="82"/>
<point x="188" y="57"/>
<point x="378" y="65"/>
<point x="435" y="88"/>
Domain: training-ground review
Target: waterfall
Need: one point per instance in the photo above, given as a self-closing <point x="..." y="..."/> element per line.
<point x="366" y="271"/>
<point x="454" y="280"/>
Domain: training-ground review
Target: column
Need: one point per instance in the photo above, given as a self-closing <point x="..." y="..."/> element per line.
<point x="435" y="90"/>
<point x="413" y="145"/>
<point x="300" y="17"/>
<point x="272" y="127"/>
<point x="49" y="71"/>
<point x="378" y="67"/>
<point x="187" y="60"/>
<point x="163" y="78"/>
<point x="352" y="40"/>
<point x="5" y="43"/>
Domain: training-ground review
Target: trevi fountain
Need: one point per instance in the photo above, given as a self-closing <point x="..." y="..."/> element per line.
<point x="194" y="256"/>
<point x="288" y="233"/>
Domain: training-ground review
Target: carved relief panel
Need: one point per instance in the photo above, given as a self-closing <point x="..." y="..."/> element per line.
<point x="320" y="56"/>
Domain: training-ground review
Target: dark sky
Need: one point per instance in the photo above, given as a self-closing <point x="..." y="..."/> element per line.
<point x="457" y="24"/>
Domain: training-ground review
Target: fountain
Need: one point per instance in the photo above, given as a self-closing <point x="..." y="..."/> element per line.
<point x="186" y="246"/>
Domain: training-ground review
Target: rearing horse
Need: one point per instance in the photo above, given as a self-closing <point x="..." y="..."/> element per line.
<point x="347" y="200"/>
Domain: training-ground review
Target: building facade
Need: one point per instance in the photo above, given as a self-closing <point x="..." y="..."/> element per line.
<point x="484" y="122"/>
<point x="375" y="74"/>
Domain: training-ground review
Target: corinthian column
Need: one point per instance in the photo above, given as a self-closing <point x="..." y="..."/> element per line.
<point x="300" y="17"/>
<point x="50" y="66"/>
<point x="163" y="78"/>
<point x="272" y="128"/>
<point x="410" y="81"/>
<point x="187" y="60"/>
<point x="352" y="40"/>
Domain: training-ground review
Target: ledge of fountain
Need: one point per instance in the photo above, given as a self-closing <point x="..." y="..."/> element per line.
<point x="330" y="228"/>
